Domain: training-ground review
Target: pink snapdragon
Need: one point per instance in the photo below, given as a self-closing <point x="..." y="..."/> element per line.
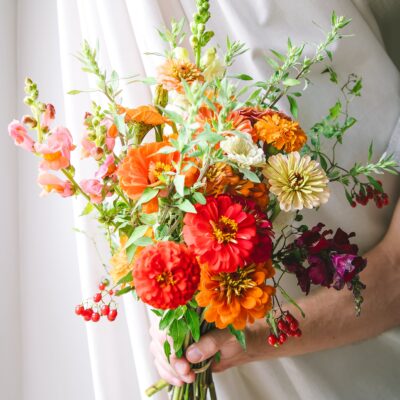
<point x="107" y="168"/>
<point x="52" y="184"/>
<point x="89" y="148"/>
<point x="48" y="116"/>
<point x="57" y="151"/>
<point x="94" y="189"/>
<point x="20" y="135"/>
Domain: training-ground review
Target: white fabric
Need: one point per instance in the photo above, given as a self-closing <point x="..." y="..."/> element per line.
<point x="126" y="29"/>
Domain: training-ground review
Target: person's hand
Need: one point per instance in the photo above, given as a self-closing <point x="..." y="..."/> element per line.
<point x="179" y="370"/>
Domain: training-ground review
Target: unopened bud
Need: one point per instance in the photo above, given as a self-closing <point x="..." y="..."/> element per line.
<point x="30" y="121"/>
<point x="201" y="28"/>
<point x="28" y="100"/>
<point x="160" y="96"/>
<point x="181" y="53"/>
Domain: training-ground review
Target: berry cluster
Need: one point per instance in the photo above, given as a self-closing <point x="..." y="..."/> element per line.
<point x="287" y="325"/>
<point x="367" y="193"/>
<point x="102" y="305"/>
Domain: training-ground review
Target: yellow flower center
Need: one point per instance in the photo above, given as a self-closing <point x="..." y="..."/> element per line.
<point x="235" y="284"/>
<point x="157" y="169"/>
<point x="225" y="230"/>
<point x="166" y="278"/>
<point x="182" y="71"/>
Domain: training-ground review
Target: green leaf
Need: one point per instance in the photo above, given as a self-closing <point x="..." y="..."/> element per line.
<point x="239" y="335"/>
<point x="167" y="350"/>
<point x="73" y="92"/>
<point x="88" y="209"/>
<point x="166" y="150"/>
<point x="375" y="183"/>
<point x="149" y="80"/>
<point x="148" y="194"/>
<point x="177" y="331"/>
<point x="250" y="175"/>
<point x="199" y="198"/>
<point x="114" y="81"/>
<point x="179" y="183"/>
<point x="210" y="137"/>
<point x="217" y="357"/>
<point x="144" y="241"/>
<point x="119" y="121"/>
<point x="370" y="151"/>
<point x="130" y="252"/>
<point x="243" y="77"/>
<point x="279" y="56"/>
<point x="159" y="313"/>
<point x="123" y="291"/>
<point x="291" y="82"/>
<point x="148" y="219"/>
<point x="126" y="279"/>
<point x="137" y="233"/>
<point x="272" y="63"/>
<point x="335" y="111"/>
<point x="293" y="106"/>
<point x="193" y="321"/>
<point x="187" y="206"/>
<point x="290" y="300"/>
<point x="167" y="319"/>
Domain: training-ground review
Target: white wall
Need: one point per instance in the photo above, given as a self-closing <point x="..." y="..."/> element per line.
<point x="10" y="339"/>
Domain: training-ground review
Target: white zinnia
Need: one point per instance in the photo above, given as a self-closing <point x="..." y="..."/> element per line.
<point x="243" y="152"/>
<point x="297" y="181"/>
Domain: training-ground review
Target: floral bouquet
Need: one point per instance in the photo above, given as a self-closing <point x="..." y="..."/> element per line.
<point x="191" y="190"/>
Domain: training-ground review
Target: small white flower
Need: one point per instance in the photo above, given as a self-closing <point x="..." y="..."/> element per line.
<point x="242" y="151"/>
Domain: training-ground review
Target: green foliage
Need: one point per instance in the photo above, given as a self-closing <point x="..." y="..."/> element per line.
<point x="239" y="335"/>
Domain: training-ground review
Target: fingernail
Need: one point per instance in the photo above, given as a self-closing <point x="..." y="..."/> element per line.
<point x="193" y="354"/>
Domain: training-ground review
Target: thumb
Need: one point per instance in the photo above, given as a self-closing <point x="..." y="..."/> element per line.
<point x="207" y="346"/>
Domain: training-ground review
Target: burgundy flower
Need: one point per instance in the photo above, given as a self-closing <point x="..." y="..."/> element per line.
<point x="347" y="266"/>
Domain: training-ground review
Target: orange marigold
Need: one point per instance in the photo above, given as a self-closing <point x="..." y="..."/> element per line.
<point x="143" y="168"/>
<point x="166" y="275"/>
<point x="173" y="72"/>
<point x="236" y="298"/>
<point x="280" y="131"/>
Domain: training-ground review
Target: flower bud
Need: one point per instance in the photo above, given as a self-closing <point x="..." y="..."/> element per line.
<point x="201" y="28"/>
<point x="28" y="100"/>
<point x="160" y="96"/>
<point x="181" y="53"/>
<point x="30" y="121"/>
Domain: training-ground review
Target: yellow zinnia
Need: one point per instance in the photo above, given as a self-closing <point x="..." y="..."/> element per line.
<point x="297" y="181"/>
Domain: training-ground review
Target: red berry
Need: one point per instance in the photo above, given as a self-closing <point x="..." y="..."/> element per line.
<point x="272" y="340"/>
<point x="294" y="325"/>
<point x="97" y="297"/>
<point x="282" y="338"/>
<point x="102" y="286"/>
<point x="95" y="317"/>
<point x="87" y="316"/>
<point x="112" y="315"/>
<point x="289" y="318"/>
<point x="298" y="333"/>
<point x="79" y="310"/>
<point x="111" y="292"/>
<point x="105" y="309"/>
<point x="353" y="204"/>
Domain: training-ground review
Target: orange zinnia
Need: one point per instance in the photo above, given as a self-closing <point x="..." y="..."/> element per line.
<point x="236" y="298"/>
<point x="280" y="131"/>
<point x="173" y="72"/>
<point x="143" y="168"/>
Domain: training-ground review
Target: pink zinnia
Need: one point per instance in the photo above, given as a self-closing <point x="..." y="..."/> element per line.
<point x="57" y="151"/>
<point x="20" y="135"/>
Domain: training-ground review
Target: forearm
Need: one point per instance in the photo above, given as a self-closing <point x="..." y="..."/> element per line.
<point x="330" y="317"/>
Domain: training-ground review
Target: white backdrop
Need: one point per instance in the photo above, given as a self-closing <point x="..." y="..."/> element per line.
<point x="46" y="351"/>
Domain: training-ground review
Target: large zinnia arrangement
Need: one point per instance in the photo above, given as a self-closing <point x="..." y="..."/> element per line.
<point x="188" y="189"/>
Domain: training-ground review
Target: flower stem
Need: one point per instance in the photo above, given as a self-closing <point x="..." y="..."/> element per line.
<point x="156" y="387"/>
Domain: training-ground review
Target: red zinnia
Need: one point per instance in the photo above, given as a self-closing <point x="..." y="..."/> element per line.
<point x="221" y="234"/>
<point x="166" y="275"/>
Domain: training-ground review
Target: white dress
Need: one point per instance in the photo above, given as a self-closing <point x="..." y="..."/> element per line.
<point x="370" y="370"/>
<point x="126" y="28"/>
